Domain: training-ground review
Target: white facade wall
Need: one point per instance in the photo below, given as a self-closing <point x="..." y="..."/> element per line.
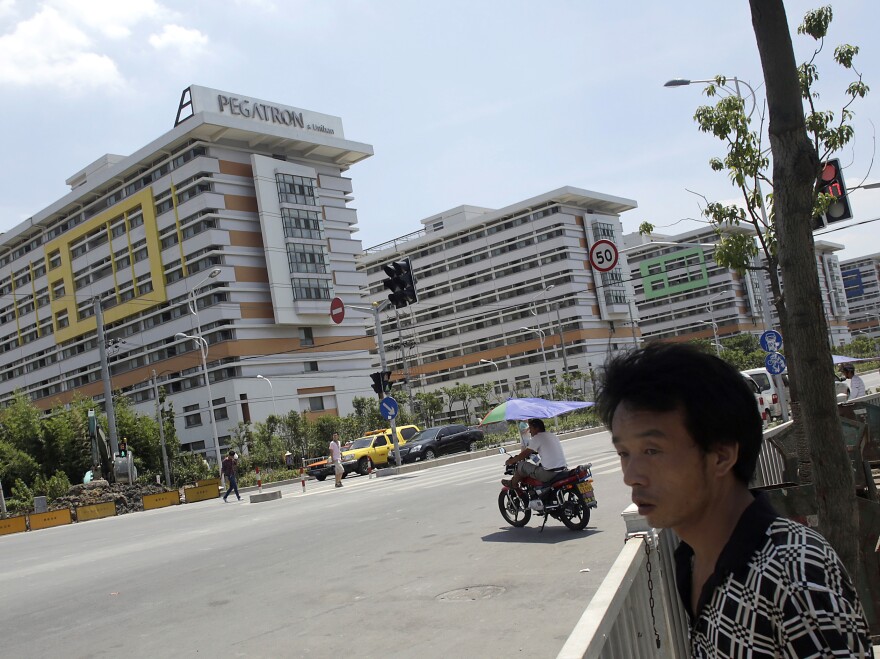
<point x="118" y="236"/>
<point x="861" y="280"/>
<point x="483" y="275"/>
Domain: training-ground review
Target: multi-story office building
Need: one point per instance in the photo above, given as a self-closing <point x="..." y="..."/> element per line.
<point x="507" y="296"/>
<point x="682" y="293"/>
<point x="861" y="280"/>
<point x="251" y="189"/>
<point x="833" y="294"/>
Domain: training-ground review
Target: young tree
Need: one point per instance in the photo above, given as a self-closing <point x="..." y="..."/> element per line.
<point x="783" y="221"/>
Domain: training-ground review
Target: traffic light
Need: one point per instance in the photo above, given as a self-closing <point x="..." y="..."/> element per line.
<point x="831" y="183"/>
<point x="381" y="382"/>
<point x="123" y="448"/>
<point x="401" y="283"/>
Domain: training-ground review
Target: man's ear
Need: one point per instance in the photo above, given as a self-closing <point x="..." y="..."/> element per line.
<point x="724" y="457"/>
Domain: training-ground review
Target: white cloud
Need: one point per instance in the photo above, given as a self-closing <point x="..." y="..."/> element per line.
<point x="187" y="41"/>
<point x="7" y="8"/>
<point x="46" y="50"/>
<point x="112" y="19"/>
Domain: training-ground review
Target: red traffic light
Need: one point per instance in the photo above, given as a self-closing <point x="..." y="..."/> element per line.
<point x="831" y="183"/>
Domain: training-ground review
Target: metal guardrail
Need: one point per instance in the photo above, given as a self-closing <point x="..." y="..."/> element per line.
<point x="636" y="613"/>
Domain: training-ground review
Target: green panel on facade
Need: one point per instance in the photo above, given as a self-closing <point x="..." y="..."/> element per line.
<point x="684" y="270"/>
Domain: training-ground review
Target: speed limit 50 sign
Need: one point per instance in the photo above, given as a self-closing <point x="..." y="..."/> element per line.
<point x="603" y="255"/>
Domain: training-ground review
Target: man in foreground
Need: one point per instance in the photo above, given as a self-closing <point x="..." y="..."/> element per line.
<point x="754" y="584"/>
<point x="548" y="448"/>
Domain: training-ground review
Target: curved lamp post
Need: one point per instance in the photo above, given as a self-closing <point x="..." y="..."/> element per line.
<point x="203" y="351"/>
<point x="541" y="335"/>
<point x="272" y="389"/>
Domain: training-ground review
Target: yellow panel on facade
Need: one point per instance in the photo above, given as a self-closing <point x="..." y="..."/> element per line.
<point x="13" y="525"/>
<point x="152" y="501"/>
<point x="200" y="493"/>
<point x="95" y="511"/>
<point x="52" y="518"/>
<point x="64" y="272"/>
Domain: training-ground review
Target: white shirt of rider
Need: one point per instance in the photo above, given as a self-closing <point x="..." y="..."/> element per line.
<point x="549" y="448"/>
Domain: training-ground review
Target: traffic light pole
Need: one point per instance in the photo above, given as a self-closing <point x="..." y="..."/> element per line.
<point x="376" y="309"/>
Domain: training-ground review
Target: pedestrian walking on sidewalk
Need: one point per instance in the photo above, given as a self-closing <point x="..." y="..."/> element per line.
<point x="336" y="458"/>
<point x="754" y="583"/>
<point x="230" y="471"/>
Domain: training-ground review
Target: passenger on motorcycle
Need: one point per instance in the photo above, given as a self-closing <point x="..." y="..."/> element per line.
<point x="547" y="446"/>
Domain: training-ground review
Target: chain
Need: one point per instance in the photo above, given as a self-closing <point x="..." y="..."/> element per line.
<point x="647" y="538"/>
<point x="649" y="568"/>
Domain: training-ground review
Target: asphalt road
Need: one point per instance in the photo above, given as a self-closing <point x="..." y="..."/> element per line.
<point x="414" y="565"/>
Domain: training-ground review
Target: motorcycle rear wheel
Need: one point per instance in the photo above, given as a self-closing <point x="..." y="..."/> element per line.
<point x="573" y="511"/>
<point x="514" y="508"/>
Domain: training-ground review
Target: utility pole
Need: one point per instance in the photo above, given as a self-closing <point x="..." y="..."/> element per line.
<point x="2" y="502"/>
<point x="561" y="339"/>
<point x="108" y="389"/>
<point x="161" y="431"/>
<point x="375" y="310"/>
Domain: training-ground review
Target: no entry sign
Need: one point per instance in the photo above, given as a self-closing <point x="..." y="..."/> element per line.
<point x="337" y="310"/>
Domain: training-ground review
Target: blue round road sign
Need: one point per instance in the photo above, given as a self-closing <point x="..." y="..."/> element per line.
<point x="388" y="408"/>
<point x="774" y="363"/>
<point x="771" y="341"/>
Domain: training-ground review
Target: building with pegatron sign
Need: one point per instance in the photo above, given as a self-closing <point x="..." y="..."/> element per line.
<point x="243" y="207"/>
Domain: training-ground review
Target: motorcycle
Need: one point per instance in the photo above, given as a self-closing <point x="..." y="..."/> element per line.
<point x="568" y="498"/>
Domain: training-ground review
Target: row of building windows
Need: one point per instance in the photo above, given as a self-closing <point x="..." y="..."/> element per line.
<point x="65" y="223"/>
<point x="296" y="189"/>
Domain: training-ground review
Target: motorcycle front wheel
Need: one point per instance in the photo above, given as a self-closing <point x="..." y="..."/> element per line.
<point x="573" y="511"/>
<point x="514" y="508"/>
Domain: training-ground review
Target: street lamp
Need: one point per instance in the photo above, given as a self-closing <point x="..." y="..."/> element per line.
<point x="489" y="361"/>
<point x="762" y="284"/>
<point x="272" y="389"/>
<point x="534" y="312"/>
<point x="203" y="351"/>
<point x="714" y="333"/>
<point x="541" y="335"/>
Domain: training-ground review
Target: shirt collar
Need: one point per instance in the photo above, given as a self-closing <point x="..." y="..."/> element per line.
<point x="748" y="535"/>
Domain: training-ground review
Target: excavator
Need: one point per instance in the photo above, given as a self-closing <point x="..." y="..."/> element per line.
<point x="114" y="468"/>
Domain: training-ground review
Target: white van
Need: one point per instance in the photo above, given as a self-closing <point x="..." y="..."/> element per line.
<point x="768" y="391"/>
<point x="759" y="398"/>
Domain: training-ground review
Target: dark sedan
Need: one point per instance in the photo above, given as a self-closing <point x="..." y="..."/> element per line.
<point x="439" y="440"/>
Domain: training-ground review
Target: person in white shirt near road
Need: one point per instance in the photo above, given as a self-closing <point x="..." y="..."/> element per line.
<point x="336" y="458"/>
<point x="548" y="448"/>
<point x="856" y="384"/>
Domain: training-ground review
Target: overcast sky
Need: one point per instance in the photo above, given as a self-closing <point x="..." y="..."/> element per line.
<point x="482" y="102"/>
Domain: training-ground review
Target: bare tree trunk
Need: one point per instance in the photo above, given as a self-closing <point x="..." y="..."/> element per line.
<point x="795" y="166"/>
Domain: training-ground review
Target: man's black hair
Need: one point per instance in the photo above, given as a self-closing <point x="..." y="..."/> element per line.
<point x="538" y="423"/>
<point x="718" y="405"/>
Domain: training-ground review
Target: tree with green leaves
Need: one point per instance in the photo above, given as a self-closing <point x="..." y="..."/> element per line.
<point x="801" y="137"/>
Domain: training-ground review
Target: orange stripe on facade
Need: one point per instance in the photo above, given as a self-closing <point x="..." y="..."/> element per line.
<point x="226" y="349"/>
<point x="315" y="390"/>
<point x="257" y="309"/>
<point x="235" y="202"/>
<point x="236" y="168"/>
<point x="245" y="238"/>
<point x="251" y="274"/>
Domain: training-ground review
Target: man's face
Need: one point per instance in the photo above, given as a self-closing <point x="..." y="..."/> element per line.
<point x="533" y="429"/>
<point x="662" y="464"/>
<point x="336" y="437"/>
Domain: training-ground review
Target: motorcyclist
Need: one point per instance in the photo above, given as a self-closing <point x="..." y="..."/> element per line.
<point x="545" y="444"/>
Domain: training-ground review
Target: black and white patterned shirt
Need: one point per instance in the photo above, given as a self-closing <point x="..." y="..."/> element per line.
<point x="778" y="590"/>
